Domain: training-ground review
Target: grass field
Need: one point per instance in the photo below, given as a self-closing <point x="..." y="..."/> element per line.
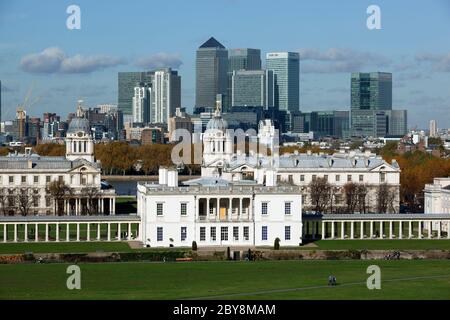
<point x="84" y="247"/>
<point x="401" y="279"/>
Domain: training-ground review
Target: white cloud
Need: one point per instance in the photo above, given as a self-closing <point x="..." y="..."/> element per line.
<point x="54" y="60"/>
<point x="160" y="60"/>
<point x="439" y="62"/>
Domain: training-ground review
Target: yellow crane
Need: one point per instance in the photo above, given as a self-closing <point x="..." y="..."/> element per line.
<point x="21" y="113"/>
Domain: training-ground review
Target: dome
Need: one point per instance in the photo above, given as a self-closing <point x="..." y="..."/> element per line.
<point x="217" y="123"/>
<point x="79" y="124"/>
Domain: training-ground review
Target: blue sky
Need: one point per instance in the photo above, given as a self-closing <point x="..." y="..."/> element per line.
<point x="63" y="65"/>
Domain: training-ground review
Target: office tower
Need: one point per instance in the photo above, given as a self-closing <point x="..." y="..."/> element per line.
<point x="248" y="88"/>
<point x="286" y="71"/>
<point x="166" y="95"/>
<point x="433" y="128"/>
<point x="127" y="81"/>
<point x="371" y="91"/>
<point x="0" y="100"/>
<point x="141" y="103"/>
<point x="398" y="122"/>
<point x="211" y="73"/>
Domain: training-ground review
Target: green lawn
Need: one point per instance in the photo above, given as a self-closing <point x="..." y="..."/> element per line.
<point x="64" y="247"/>
<point x="401" y="279"/>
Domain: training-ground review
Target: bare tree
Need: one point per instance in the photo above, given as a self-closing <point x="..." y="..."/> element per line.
<point x="361" y="192"/>
<point x="385" y="198"/>
<point x="4" y="201"/>
<point x="351" y="196"/>
<point x="320" y="192"/>
<point x="91" y="194"/>
<point x="24" y="200"/>
<point x="59" y="191"/>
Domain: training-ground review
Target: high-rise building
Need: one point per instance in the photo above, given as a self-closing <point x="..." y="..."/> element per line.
<point x="249" y="88"/>
<point x="211" y="73"/>
<point x="398" y="122"/>
<point x="127" y="81"/>
<point x="166" y="95"/>
<point x="141" y="103"/>
<point x="286" y="71"/>
<point x="0" y="100"/>
<point x="240" y="59"/>
<point x="371" y="91"/>
<point x="433" y="128"/>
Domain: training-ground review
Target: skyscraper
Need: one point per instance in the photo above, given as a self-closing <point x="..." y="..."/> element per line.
<point x="211" y="73"/>
<point x="127" y="81"/>
<point x="0" y="100"/>
<point x="371" y="91"/>
<point x="286" y="71"/>
<point x="166" y="95"/>
<point x="249" y="88"/>
<point x="141" y="103"/>
<point x="433" y="128"/>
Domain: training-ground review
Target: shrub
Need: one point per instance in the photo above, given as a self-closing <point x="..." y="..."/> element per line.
<point x="194" y="246"/>
<point x="276" y="245"/>
<point x="228" y="253"/>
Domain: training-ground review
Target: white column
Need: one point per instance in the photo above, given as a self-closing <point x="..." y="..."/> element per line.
<point x="332" y="229"/>
<point x="46" y="232"/>
<point x="76" y="206"/>
<point x="36" y="232"/>
<point x="230" y="208"/>
<point x="400" y="229"/>
<point x="430" y="229"/>
<point x="4" y="232"/>
<point x="371" y="229"/>
<point x="15" y="232"/>
<point x="448" y="229"/>
<point x="361" y="231"/>
<point x="67" y="232"/>
<point x="98" y="231"/>
<point x="342" y="230"/>
<point x="109" y="232"/>
<point x="118" y="232"/>
<point x="419" y="229"/>
<point x="207" y="207"/>
<point x="323" y="230"/>
<point x="129" y="231"/>
<point x="113" y="208"/>
<point x="390" y="229"/>
<point x="78" y="231"/>
<point x="439" y="229"/>
<point x="352" y="230"/>
<point x="240" y="209"/>
<point x="25" y="232"/>
<point x="381" y="229"/>
<point x="88" y="237"/>
<point x="102" y="204"/>
<point x="57" y="231"/>
<point x="410" y="229"/>
<point x="110" y="206"/>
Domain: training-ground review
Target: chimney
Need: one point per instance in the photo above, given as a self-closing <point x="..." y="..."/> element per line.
<point x="162" y="176"/>
<point x="271" y="178"/>
<point x="172" y="178"/>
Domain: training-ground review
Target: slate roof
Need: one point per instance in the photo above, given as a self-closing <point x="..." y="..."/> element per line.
<point x="20" y="162"/>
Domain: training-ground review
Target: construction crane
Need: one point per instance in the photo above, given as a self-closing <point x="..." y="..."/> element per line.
<point x="21" y="113"/>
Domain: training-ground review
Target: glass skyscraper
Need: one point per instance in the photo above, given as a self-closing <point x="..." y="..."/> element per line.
<point x="211" y="73"/>
<point x="286" y="71"/>
<point x="127" y="81"/>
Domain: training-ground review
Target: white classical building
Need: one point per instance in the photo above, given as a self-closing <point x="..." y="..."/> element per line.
<point x="437" y="197"/>
<point x="25" y="178"/>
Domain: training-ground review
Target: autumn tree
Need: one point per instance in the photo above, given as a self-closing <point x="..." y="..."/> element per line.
<point x="320" y="193"/>
<point x="385" y="198"/>
<point x="91" y="194"/>
<point x="25" y="201"/>
<point x="58" y="190"/>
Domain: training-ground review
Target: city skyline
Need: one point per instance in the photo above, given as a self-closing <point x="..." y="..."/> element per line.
<point x="69" y="64"/>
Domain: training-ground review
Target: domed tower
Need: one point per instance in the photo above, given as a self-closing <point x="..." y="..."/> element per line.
<point x="79" y="142"/>
<point x="217" y="141"/>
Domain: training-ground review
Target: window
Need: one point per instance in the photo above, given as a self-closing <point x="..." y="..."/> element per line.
<point x="11" y="179"/>
<point x="264" y="208"/>
<point x="302" y="177"/>
<point x="36" y="179"/>
<point x="183" y="209"/>
<point x="83" y="179"/>
<point x="382" y="177"/>
<point x="159" y="234"/>
<point x="361" y="178"/>
<point x="202" y="233"/>
<point x="287" y="233"/>
<point x="213" y="233"/>
<point x="325" y="177"/>
<point x="264" y="233"/>
<point x="290" y="178"/>
<point x="236" y="233"/>
<point x="1" y="179"/>
<point x="47" y="179"/>
<point x="159" y="209"/>
<point x="314" y="177"/>
<point x="349" y="177"/>
<point x="48" y="202"/>
<point x="224" y="233"/>
<point x="23" y="179"/>
<point x="183" y="233"/>
<point x="287" y="208"/>
<point x="35" y="201"/>
<point x="246" y="234"/>
<point x="60" y="178"/>
<point x="338" y="178"/>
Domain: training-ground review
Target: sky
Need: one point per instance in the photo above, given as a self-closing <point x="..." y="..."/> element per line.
<point x="38" y="51"/>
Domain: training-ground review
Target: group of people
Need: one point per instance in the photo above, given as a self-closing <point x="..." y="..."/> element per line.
<point x="332" y="280"/>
